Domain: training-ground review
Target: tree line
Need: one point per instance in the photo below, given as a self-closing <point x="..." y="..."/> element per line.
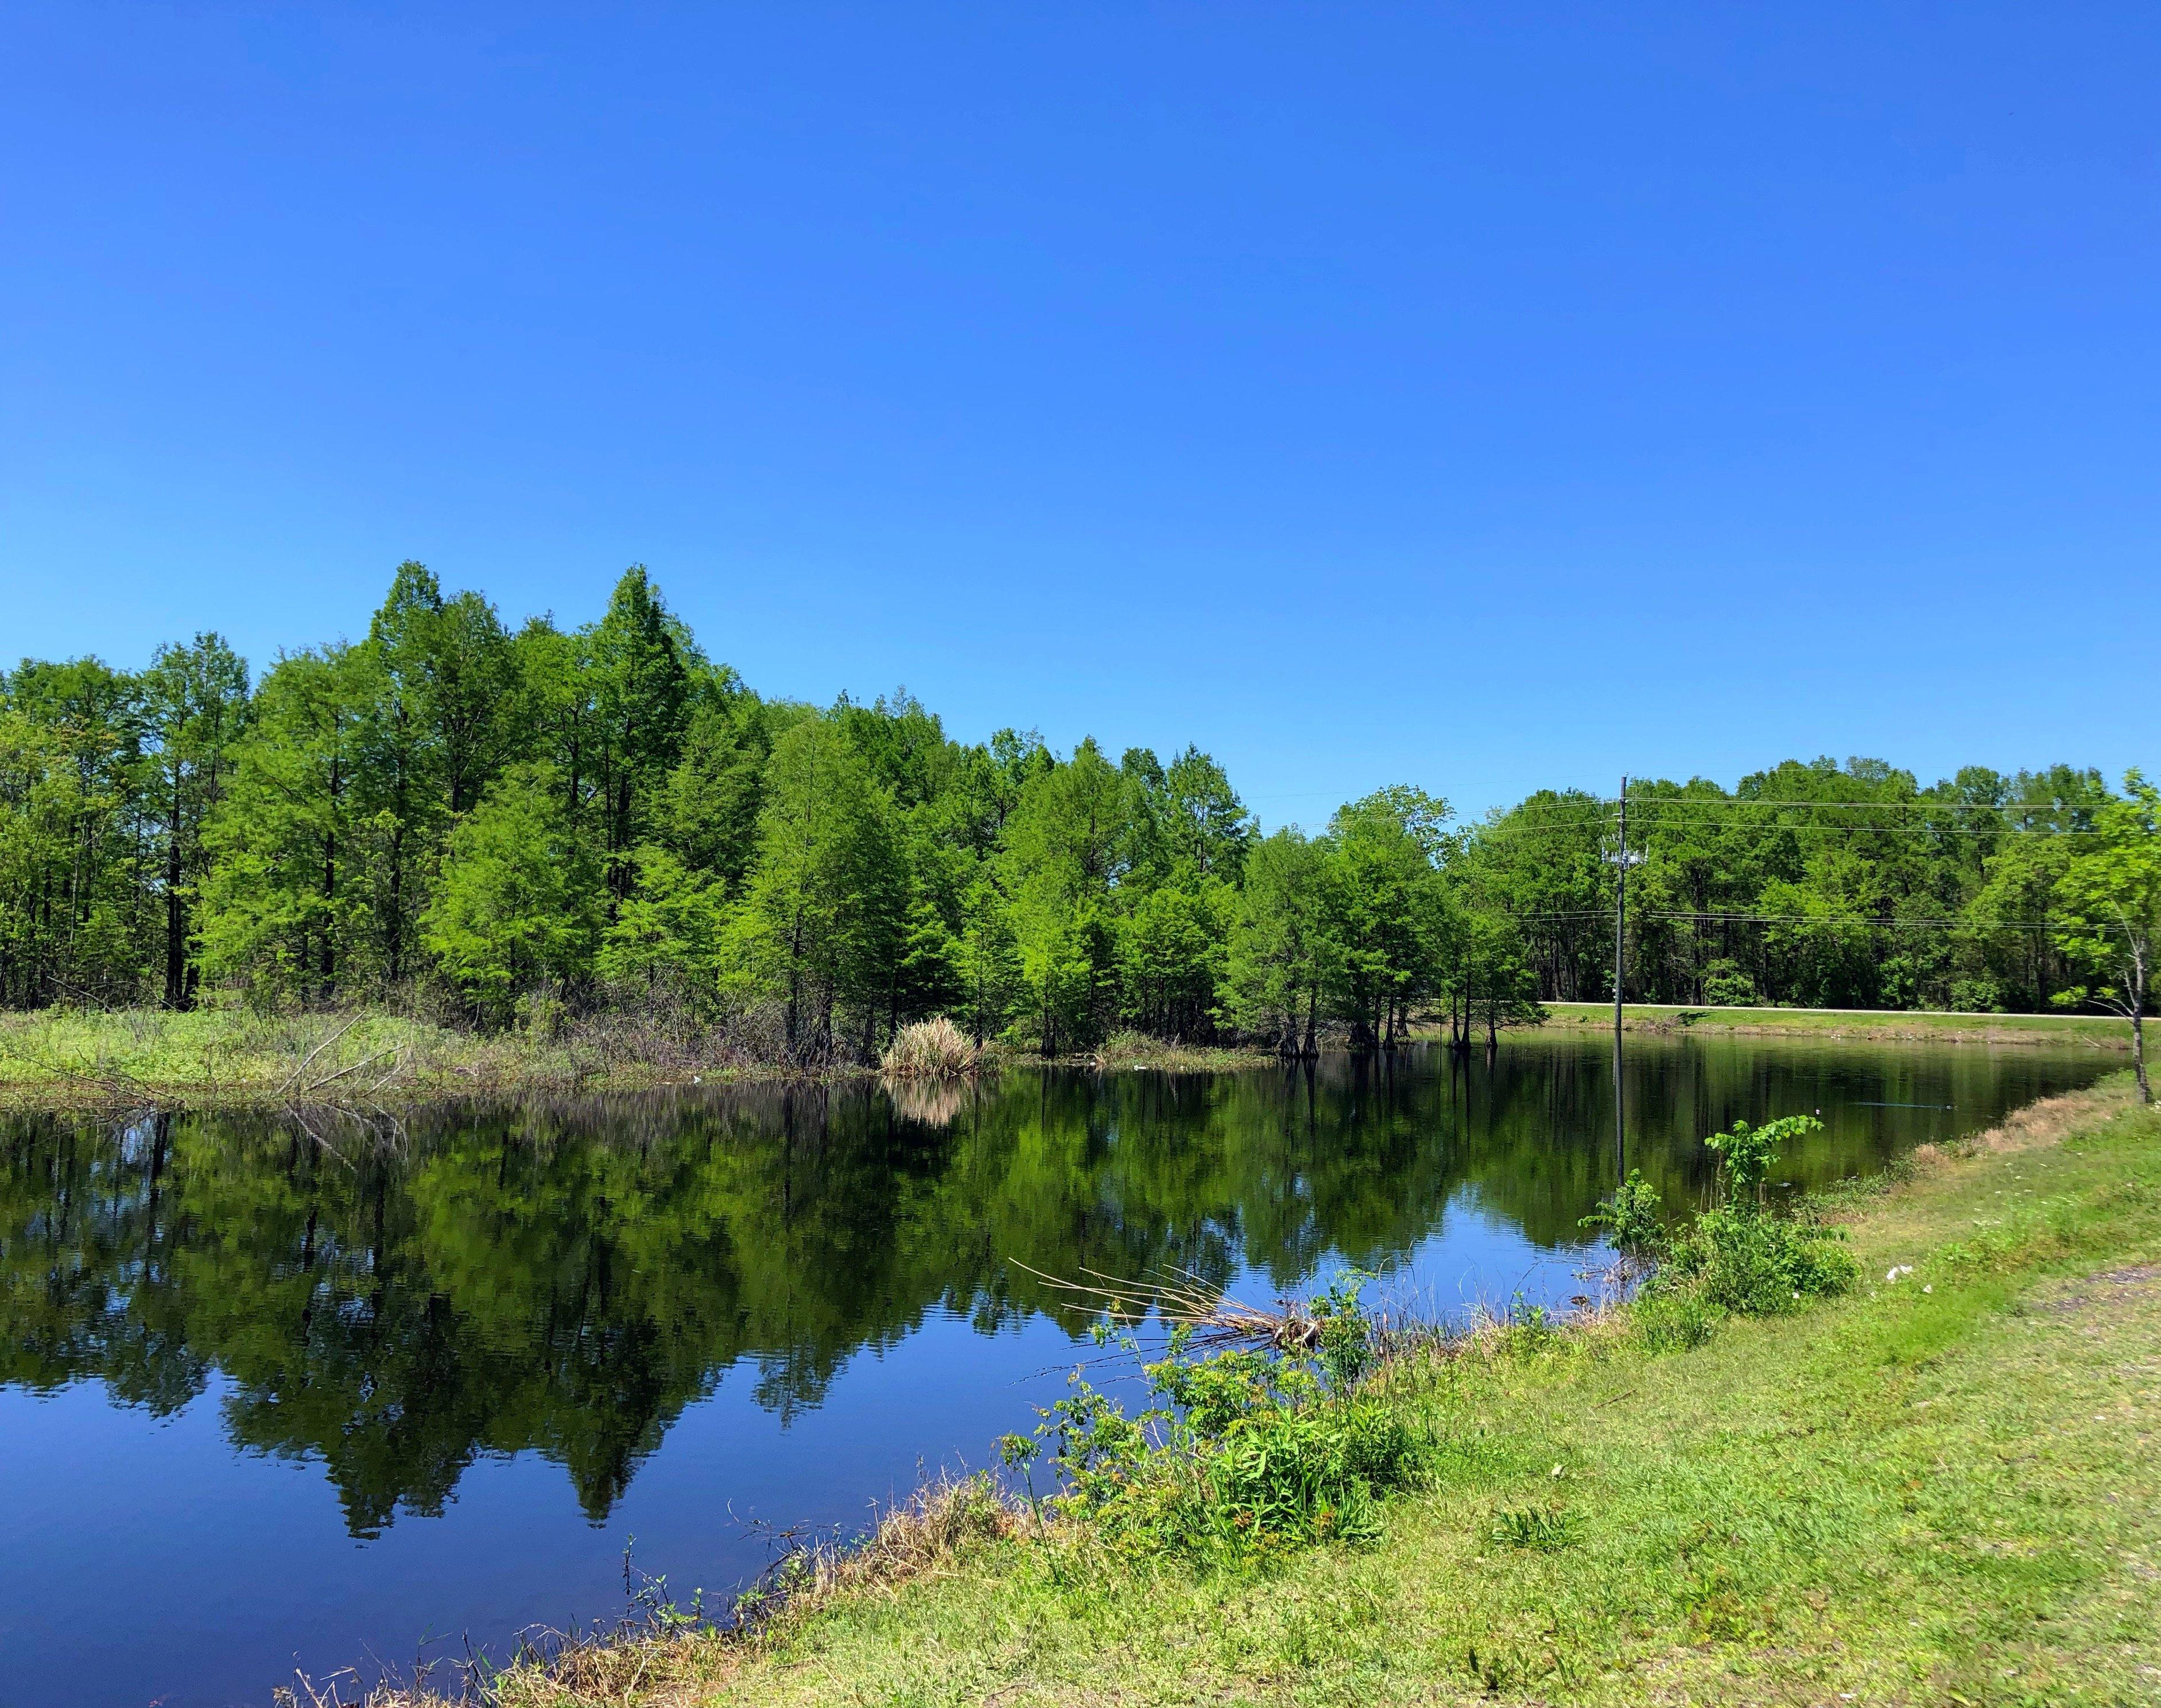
<point x="516" y="824"/>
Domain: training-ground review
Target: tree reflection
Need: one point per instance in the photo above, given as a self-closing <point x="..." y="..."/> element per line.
<point x="398" y="1299"/>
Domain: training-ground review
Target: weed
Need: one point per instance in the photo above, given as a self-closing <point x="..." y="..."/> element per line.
<point x="929" y="1050"/>
<point x="1675" y="1320"/>
<point x="1633" y="1219"/>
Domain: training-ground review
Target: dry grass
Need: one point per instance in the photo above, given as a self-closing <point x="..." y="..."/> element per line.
<point x="668" y="1660"/>
<point x="929" y="1050"/>
<point x="1126" y="1050"/>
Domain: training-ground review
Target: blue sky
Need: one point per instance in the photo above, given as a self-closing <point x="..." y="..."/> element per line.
<point x="1483" y="397"/>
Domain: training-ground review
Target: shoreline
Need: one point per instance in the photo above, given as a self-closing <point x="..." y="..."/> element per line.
<point x="1889" y="1025"/>
<point x="68" y="1062"/>
<point x="1865" y="1479"/>
<point x="61" y="1061"/>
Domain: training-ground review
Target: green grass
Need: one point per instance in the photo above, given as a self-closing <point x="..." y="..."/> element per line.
<point x="62" y="1058"/>
<point x="1944" y="1490"/>
<point x="2097" y="1029"/>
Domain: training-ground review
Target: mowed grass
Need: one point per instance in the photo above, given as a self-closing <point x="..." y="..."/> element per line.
<point x="1942" y="1489"/>
<point x="2101" y="1030"/>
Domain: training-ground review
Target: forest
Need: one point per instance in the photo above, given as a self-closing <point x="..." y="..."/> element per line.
<point x="513" y="825"/>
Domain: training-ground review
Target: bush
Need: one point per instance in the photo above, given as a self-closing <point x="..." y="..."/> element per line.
<point x="1633" y="1219"/>
<point x="1754" y="1263"/>
<point x="1743" y="1256"/>
<point x="1247" y="1452"/>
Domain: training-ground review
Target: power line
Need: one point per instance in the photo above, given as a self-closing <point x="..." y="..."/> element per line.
<point x="1768" y="829"/>
<point x="1856" y="920"/>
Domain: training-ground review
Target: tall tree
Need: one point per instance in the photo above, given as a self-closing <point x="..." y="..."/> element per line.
<point x="827" y="902"/>
<point x="519" y="905"/>
<point x="641" y="700"/>
<point x="194" y="708"/>
<point x="282" y="910"/>
<point x="1281" y="959"/>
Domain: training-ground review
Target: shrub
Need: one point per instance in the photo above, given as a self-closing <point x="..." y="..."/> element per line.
<point x="1633" y="1219"/>
<point x="929" y="1050"/>
<point x="1246" y="1453"/>
<point x="1743" y="1256"/>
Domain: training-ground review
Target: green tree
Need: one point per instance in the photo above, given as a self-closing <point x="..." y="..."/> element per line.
<point x="669" y="931"/>
<point x="1171" y="943"/>
<point x="282" y="910"/>
<point x="1281" y="958"/>
<point x="76" y="871"/>
<point x="518" y="903"/>
<point x="826" y="907"/>
<point x="193" y="709"/>
<point x="1063" y="851"/>
<point x="2112" y="910"/>
<point x="641" y="701"/>
<point x="1388" y="910"/>
<point x="987" y="959"/>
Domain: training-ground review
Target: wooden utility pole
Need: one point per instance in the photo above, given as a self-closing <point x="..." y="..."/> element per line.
<point x="1620" y="940"/>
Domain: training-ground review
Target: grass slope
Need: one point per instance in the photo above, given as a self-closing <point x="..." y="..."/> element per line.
<point x="1942" y="1489"/>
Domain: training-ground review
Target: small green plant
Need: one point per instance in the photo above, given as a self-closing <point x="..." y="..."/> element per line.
<point x="1747" y="1152"/>
<point x="1542" y="1529"/>
<point x="1633" y="1219"/>
<point x="1347" y="1342"/>
<point x="1741" y="1255"/>
<point x="1246" y="1453"/>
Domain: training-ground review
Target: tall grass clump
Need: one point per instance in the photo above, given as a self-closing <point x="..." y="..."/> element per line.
<point x="929" y="1050"/>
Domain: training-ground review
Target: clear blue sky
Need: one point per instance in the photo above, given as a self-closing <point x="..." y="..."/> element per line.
<point x="1481" y="396"/>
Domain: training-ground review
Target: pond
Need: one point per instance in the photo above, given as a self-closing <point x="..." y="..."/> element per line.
<point x="339" y="1392"/>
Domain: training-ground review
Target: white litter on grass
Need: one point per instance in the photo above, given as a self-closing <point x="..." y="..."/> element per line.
<point x="1898" y="1269"/>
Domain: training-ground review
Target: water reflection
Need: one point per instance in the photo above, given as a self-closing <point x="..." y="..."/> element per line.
<point x="394" y="1299"/>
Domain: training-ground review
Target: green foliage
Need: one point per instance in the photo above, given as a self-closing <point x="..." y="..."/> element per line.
<point x="1746" y="1153"/>
<point x="670" y="932"/>
<point x="1247" y="1454"/>
<point x="2111" y="892"/>
<point x="520" y="903"/>
<point x="1633" y="1219"/>
<point x="1741" y="1256"/>
<point x="815" y="879"/>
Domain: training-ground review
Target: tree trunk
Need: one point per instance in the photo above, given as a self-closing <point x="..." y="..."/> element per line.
<point x="176" y="912"/>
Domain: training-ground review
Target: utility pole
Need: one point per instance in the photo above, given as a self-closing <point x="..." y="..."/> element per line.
<point x="1620" y="941"/>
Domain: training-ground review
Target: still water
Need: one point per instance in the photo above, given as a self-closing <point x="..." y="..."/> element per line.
<point x="279" y="1394"/>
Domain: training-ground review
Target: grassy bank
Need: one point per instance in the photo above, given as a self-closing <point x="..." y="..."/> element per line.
<point x="2096" y="1030"/>
<point x="73" y="1058"/>
<point x="58" y="1058"/>
<point x="1939" y="1489"/>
